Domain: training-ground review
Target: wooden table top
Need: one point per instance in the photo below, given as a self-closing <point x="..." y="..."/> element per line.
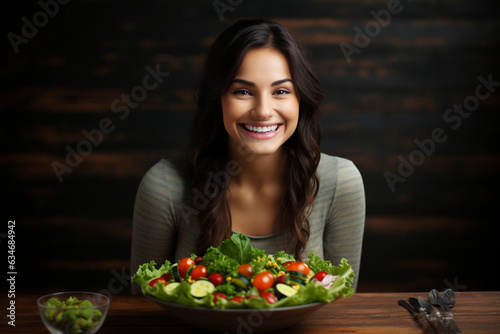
<point x="475" y="312"/>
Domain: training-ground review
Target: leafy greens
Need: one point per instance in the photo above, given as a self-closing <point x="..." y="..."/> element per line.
<point x="225" y="259"/>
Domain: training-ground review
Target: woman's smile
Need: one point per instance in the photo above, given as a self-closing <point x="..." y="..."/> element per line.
<point x="261" y="131"/>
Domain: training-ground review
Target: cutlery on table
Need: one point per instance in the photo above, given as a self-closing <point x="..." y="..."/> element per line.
<point x="432" y="311"/>
<point x="418" y="312"/>
<point x="445" y="302"/>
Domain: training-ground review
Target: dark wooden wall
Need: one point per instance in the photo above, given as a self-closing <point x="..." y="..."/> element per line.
<point x="437" y="228"/>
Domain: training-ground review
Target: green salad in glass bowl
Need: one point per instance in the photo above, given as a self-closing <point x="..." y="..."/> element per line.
<point x="73" y="312"/>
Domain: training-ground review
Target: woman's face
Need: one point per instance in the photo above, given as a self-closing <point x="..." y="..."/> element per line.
<point x="261" y="108"/>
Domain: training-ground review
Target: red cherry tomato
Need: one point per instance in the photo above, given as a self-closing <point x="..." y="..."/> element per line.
<point x="216" y="279"/>
<point x="219" y="295"/>
<point x="198" y="260"/>
<point x="269" y="297"/>
<point x="300" y="267"/>
<point x="237" y="299"/>
<point x="167" y="276"/>
<point x="245" y="269"/>
<point x="184" y="265"/>
<point x="263" y="281"/>
<point x="319" y="276"/>
<point x="198" y="272"/>
<point x="158" y="280"/>
<point x="288" y="263"/>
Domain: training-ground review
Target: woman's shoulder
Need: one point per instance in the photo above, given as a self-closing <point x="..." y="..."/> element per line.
<point x="167" y="168"/>
<point x="165" y="175"/>
<point x="331" y="165"/>
<point x="336" y="171"/>
<point x="340" y="184"/>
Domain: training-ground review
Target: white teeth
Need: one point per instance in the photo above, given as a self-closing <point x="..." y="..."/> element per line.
<point x="260" y="129"/>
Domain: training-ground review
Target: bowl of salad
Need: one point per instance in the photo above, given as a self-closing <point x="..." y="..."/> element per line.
<point x="236" y="287"/>
<point x="73" y="312"/>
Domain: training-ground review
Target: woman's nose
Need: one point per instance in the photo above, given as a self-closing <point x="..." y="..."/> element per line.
<point x="263" y="109"/>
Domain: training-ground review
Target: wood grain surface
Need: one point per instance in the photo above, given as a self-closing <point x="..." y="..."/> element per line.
<point x="475" y="312"/>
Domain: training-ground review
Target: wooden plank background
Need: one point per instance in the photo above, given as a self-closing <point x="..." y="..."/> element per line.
<point x="438" y="228"/>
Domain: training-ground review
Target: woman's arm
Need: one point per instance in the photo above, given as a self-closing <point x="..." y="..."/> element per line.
<point x="343" y="234"/>
<point x="153" y="230"/>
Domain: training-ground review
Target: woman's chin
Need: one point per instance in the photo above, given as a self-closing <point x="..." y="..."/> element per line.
<point x="262" y="150"/>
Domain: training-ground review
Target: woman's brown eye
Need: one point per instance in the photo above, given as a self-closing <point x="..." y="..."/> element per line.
<point x="241" y="92"/>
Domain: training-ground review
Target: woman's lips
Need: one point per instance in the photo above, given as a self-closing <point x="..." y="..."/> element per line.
<point x="261" y="131"/>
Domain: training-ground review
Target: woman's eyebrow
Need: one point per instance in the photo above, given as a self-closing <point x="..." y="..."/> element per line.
<point x="279" y="82"/>
<point x="252" y="84"/>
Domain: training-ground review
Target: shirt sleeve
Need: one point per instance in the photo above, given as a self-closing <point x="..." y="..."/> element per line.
<point x="153" y="228"/>
<point x="344" y="228"/>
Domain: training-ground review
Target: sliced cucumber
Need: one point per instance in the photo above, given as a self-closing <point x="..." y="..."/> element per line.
<point x="200" y="289"/>
<point x="296" y="280"/>
<point x="311" y="275"/>
<point x="297" y="274"/>
<point x="171" y="287"/>
<point x="283" y="290"/>
<point x="241" y="282"/>
<point x="297" y="277"/>
<point x="175" y="273"/>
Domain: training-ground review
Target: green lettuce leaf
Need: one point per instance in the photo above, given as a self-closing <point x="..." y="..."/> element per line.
<point x="226" y="288"/>
<point x="317" y="264"/>
<point x="285" y="257"/>
<point x="180" y="295"/>
<point x="225" y="258"/>
<point x="238" y="248"/>
<point x="309" y="293"/>
<point x="220" y="263"/>
<point x="342" y="286"/>
<point x="147" y="272"/>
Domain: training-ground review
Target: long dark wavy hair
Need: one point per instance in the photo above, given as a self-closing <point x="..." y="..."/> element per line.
<point x="208" y="147"/>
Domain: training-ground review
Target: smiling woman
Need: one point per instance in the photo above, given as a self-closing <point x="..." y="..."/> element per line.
<point x="258" y="111"/>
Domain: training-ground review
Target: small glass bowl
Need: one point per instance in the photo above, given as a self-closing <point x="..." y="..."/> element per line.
<point x="81" y="317"/>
